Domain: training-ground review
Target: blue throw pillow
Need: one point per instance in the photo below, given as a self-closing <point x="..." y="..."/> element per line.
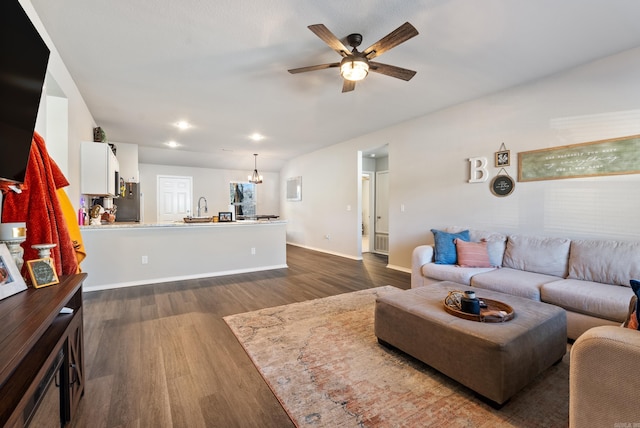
<point x="445" y="247"/>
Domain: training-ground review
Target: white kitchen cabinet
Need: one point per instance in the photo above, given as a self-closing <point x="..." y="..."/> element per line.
<point x="98" y="170"/>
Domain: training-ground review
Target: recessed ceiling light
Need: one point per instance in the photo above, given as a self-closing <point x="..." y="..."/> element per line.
<point x="256" y="136"/>
<point x="183" y="124"/>
<point x="172" y="144"/>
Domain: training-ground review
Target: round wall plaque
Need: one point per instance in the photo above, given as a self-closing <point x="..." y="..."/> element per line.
<point x="502" y="185"/>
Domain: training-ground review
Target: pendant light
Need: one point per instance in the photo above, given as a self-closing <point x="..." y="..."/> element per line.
<point x="255" y="177"/>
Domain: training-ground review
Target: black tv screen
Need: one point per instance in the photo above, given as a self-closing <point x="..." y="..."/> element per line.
<point x="23" y="65"/>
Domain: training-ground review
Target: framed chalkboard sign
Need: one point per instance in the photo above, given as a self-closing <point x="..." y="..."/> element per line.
<point x="42" y="272"/>
<point x="606" y="157"/>
<point x="502" y="185"/>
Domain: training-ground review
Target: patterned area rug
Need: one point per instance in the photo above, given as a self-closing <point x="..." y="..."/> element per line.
<point x="323" y="362"/>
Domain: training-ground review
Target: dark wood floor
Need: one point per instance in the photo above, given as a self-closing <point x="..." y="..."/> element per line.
<point x="161" y="355"/>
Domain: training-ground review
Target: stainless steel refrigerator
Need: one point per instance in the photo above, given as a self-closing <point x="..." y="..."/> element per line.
<point x="129" y="203"/>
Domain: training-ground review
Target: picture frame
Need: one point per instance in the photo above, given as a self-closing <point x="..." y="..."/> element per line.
<point x="503" y="158"/>
<point x="294" y="189"/>
<point x="225" y="216"/>
<point x="42" y="272"/>
<point x="11" y="282"/>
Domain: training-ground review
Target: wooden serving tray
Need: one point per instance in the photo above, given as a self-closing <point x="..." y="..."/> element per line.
<point x="485" y="313"/>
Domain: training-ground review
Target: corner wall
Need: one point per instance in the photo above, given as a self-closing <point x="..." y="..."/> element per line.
<point x="429" y="166"/>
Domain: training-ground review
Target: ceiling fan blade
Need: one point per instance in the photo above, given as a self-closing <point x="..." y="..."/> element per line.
<point x="330" y="39"/>
<point x="348" y="85"/>
<point x="313" y="68"/>
<point x="391" y="40"/>
<point x="391" y="70"/>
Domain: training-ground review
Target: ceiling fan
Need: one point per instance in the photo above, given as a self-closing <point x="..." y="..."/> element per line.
<point x="356" y="65"/>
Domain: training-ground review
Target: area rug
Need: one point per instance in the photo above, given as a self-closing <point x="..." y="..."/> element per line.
<point x="323" y="362"/>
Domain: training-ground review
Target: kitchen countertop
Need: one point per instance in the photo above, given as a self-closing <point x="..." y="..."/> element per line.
<point x="135" y="225"/>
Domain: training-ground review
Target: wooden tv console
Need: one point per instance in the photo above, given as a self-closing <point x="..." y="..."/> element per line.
<point x="36" y="340"/>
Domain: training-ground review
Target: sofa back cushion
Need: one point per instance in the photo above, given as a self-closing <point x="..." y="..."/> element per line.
<point x="609" y="262"/>
<point x="549" y="256"/>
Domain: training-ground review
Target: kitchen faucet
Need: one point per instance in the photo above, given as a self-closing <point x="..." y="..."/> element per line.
<point x="205" y="205"/>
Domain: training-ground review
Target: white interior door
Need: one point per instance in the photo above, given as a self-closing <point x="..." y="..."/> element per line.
<point x="381" y="243"/>
<point x="174" y="198"/>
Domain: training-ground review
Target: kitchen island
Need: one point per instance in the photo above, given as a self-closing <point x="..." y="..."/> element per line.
<point x="127" y="254"/>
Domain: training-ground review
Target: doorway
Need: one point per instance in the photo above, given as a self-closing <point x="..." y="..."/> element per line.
<point x="374" y="201"/>
<point x="381" y="233"/>
<point x="174" y="198"/>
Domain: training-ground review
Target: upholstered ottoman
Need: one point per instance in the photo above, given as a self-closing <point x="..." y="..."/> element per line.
<point x="495" y="360"/>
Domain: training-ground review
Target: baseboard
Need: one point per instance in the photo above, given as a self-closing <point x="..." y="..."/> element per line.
<point x="320" y="250"/>
<point x="178" y="278"/>
<point x="399" y="268"/>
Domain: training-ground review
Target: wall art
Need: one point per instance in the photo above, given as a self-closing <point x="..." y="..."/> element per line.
<point x="503" y="157"/>
<point x="502" y="184"/>
<point x="294" y="189"/>
<point x="605" y="157"/>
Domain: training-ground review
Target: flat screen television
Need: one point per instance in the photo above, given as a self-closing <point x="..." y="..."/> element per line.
<point x="23" y="65"/>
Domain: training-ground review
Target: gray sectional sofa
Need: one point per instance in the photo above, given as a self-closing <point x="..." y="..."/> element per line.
<point x="588" y="278"/>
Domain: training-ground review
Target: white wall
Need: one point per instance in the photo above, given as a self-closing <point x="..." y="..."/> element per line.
<point x="80" y="125"/>
<point x="429" y="168"/>
<point x="57" y="131"/>
<point x="213" y="184"/>
<point x="330" y="199"/>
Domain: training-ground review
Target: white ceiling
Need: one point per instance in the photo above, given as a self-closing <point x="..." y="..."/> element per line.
<point x="142" y="65"/>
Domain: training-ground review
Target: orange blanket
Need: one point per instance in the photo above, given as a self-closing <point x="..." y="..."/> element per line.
<point x="39" y="207"/>
<point x="71" y="218"/>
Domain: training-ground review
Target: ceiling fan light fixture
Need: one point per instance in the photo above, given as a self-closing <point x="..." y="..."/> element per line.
<point x="254" y="177"/>
<point x="354" y="68"/>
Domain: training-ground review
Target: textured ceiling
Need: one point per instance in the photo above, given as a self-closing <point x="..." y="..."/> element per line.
<point x="222" y="65"/>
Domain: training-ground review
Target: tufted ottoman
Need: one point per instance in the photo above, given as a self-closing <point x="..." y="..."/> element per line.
<point x="495" y="360"/>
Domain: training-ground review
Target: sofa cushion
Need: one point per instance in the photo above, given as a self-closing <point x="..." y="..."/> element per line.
<point x="461" y="275"/>
<point x="549" y="256"/>
<point x="609" y="262"/>
<point x="445" y="247"/>
<point x="496" y="242"/>
<point x="472" y="254"/>
<point x="513" y="281"/>
<point x="590" y="298"/>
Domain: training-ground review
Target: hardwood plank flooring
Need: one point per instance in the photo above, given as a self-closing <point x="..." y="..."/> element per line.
<point x="162" y="356"/>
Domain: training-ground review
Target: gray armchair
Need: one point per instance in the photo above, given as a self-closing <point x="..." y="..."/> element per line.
<point x="604" y="379"/>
